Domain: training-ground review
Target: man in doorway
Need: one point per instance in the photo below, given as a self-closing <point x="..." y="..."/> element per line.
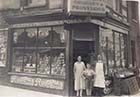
<point x="79" y="67"/>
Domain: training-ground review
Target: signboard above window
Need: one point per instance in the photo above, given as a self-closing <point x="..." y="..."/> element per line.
<point x="86" y="7"/>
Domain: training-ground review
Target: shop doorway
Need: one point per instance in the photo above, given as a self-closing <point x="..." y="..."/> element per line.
<point x="84" y="43"/>
<point x="85" y="49"/>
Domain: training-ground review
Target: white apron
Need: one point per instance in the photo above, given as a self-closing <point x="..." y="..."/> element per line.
<point x="99" y="77"/>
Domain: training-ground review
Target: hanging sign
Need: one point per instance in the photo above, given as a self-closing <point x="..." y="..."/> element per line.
<point x="86" y="7"/>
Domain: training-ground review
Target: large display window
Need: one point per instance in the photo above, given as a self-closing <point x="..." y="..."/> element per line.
<point x="113" y="49"/>
<point x="39" y="50"/>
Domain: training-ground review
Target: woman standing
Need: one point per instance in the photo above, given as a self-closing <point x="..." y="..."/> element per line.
<point x="99" y="83"/>
<point x="79" y="67"/>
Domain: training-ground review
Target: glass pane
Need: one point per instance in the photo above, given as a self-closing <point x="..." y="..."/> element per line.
<point x="43" y="61"/>
<point x="44" y="37"/>
<point x="17" y="60"/>
<point x="59" y="36"/>
<point x="30" y="37"/>
<point x="58" y="62"/>
<point x="19" y="38"/>
<point x="30" y="61"/>
<point x="110" y="50"/>
<point x="117" y="50"/>
<point x="123" y="50"/>
<point x="107" y="50"/>
<point x="3" y="48"/>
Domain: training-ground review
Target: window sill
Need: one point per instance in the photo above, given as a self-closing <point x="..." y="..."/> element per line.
<point x="38" y="75"/>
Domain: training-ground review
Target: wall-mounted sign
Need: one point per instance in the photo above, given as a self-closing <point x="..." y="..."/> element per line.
<point x="38" y="82"/>
<point x="86" y="7"/>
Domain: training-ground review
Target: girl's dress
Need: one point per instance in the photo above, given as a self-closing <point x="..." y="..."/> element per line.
<point x="89" y="77"/>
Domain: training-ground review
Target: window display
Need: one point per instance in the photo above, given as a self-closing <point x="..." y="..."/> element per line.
<point x="117" y="50"/>
<point x="58" y="37"/>
<point x="107" y="48"/>
<point x="113" y="43"/>
<point x="30" y="37"/>
<point x="18" y="38"/>
<point x="44" y="62"/>
<point x="3" y="48"/>
<point x="18" y="56"/>
<point x="123" y="49"/>
<point x="44" y="37"/>
<point x="30" y="61"/>
<point x="39" y="50"/>
<point x="58" y="62"/>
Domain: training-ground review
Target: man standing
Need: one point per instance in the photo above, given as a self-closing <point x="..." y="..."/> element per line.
<point x="99" y="83"/>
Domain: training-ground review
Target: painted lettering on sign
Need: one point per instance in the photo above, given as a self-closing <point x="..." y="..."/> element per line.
<point x="86" y="6"/>
<point x="38" y="82"/>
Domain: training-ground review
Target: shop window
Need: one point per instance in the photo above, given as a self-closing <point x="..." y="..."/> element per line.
<point x="133" y="52"/>
<point x="18" y="57"/>
<point x="58" y="51"/>
<point x="113" y="49"/>
<point x="123" y="49"/>
<point x="39" y="50"/>
<point x="44" y="61"/>
<point x="30" y="37"/>
<point x="3" y="48"/>
<point x="18" y="38"/>
<point x="58" y="62"/>
<point x="30" y="61"/>
<point x="44" y="37"/>
<point x="58" y="36"/>
<point x="107" y="48"/>
<point x="117" y="49"/>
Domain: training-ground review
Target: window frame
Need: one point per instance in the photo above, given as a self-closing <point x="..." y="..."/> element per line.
<point x="37" y="48"/>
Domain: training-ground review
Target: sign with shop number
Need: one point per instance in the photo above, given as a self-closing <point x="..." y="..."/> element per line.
<point x="86" y="7"/>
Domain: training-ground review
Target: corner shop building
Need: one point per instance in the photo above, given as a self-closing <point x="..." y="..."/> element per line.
<point x="41" y="48"/>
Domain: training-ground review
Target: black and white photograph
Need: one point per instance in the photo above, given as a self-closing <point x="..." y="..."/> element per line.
<point x="69" y="48"/>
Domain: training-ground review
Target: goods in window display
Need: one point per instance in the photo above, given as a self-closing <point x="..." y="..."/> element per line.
<point x="3" y="47"/>
<point x="30" y="64"/>
<point x="44" y="65"/>
<point x="42" y="50"/>
<point x="18" y="62"/>
<point x="58" y="65"/>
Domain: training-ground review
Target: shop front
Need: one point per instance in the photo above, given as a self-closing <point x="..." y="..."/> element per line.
<point x="42" y="54"/>
<point x="39" y="57"/>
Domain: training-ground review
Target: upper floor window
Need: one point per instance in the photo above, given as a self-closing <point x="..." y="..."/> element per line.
<point x="134" y="10"/>
<point x="33" y="3"/>
<point x="118" y="6"/>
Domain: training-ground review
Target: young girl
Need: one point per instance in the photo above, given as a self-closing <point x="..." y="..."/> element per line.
<point x="89" y="77"/>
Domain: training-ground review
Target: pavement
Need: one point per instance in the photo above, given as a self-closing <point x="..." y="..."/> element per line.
<point x="6" y="91"/>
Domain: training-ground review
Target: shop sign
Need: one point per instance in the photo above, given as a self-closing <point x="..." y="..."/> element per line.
<point x="86" y="7"/>
<point x="38" y="82"/>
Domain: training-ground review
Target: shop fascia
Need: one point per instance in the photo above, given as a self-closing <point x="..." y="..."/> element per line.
<point x="84" y="7"/>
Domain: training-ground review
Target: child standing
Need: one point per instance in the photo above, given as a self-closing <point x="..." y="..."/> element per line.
<point x="89" y="78"/>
